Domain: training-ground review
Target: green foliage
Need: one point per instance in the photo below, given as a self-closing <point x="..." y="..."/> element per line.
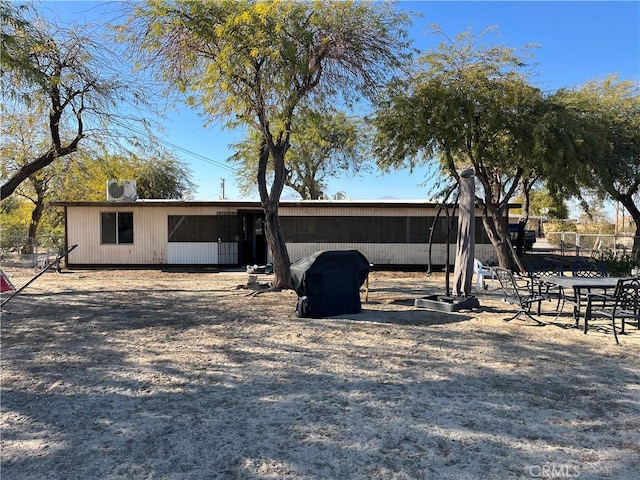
<point x="562" y="164"/>
<point x="609" y="114"/>
<point x="326" y="143"/>
<point x="469" y="106"/>
<point x="543" y="203"/>
<point x="79" y="175"/>
<point x="253" y="63"/>
<point x="82" y="176"/>
<point x="15" y="214"/>
<point x="19" y="39"/>
<point x="619" y="264"/>
<point x="164" y="178"/>
<point x="158" y="175"/>
<point x="235" y="57"/>
<point x="69" y="86"/>
<point x="606" y="116"/>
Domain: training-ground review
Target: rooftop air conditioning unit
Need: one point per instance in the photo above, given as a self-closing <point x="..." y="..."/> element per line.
<point x="121" y="191"/>
<point x="340" y="196"/>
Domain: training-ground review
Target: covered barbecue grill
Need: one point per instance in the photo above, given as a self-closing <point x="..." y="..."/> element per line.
<point x="328" y="283"/>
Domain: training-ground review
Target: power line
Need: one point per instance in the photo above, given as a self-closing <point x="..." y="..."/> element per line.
<point x="199" y="156"/>
<point x="182" y="149"/>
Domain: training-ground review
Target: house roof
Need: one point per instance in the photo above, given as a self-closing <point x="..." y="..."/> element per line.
<point x="256" y="204"/>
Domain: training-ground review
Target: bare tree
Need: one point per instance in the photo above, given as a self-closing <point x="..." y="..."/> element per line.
<point x="69" y="78"/>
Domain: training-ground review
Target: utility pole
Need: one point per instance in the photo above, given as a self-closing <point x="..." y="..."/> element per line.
<point x="223" y="189"/>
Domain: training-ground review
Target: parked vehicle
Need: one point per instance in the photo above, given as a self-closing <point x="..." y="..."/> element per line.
<point x="529" y="236"/>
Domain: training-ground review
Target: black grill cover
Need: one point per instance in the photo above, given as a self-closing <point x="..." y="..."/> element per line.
<point x="330" y="280"/>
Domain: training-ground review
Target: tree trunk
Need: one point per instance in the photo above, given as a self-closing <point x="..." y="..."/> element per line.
<point x="36" y="216"/>
<point x="32" y="232"/>
<point x="39" y="163"/>
<point x="520" y="239"/>
<point x="526" y="185"/>
<point x="494" y="225"/>
<point x="634" y="211"/>
<point x="270" y="200"/>
<point x="278" y="248"/>
<point x="57" y="150"/>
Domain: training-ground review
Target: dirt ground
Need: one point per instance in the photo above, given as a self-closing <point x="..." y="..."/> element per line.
<point x="158" y="375"/>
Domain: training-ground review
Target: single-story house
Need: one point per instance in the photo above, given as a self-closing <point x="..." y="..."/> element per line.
<point x="231" y="233"/>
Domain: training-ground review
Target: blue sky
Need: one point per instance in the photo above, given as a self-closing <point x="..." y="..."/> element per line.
<point x="577" y="41"/>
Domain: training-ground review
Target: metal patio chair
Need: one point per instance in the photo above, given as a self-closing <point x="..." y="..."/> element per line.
<point x="623" y="305"/>
<point x="582" y="269"/>
<point x="589" y="269"/>
<point x="515" y="294"/>
<point x="536" y="269"/>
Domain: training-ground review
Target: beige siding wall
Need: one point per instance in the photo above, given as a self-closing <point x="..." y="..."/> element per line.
<point x="151" y="242"/>
<point x="149" y="234"/>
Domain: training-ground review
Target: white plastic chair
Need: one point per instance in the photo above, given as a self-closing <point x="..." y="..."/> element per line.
<point x="482" y="271"/>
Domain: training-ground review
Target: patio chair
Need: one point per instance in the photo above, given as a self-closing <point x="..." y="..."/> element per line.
<point x="541" y="268"/>
<point x="589" y="269"/>
<point x="515" y="294"/>
<point x="480" y="272"/>
<point x="623" y="304"/>
<point x="583" y="269"/>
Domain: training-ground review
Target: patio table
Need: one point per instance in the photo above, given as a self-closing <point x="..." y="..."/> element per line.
<point x="579" y="285"/>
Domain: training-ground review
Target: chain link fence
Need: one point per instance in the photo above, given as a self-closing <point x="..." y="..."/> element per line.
<point x="569" y="244"/>
<point x="29" y="252"/>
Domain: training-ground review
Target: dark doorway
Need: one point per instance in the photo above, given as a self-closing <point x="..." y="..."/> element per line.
<point x="253" y="243"/>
